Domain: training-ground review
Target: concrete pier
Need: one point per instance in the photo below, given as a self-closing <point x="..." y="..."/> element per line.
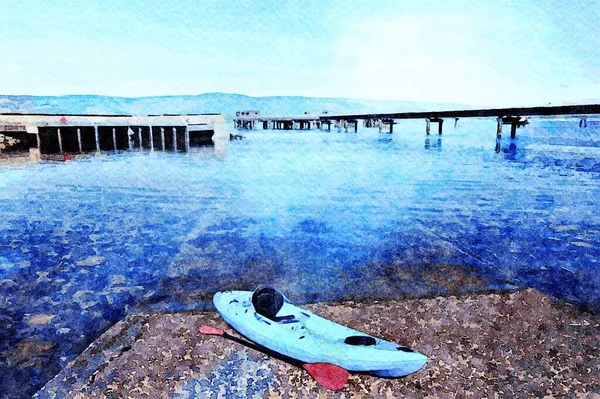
<point x="49" y="134"/>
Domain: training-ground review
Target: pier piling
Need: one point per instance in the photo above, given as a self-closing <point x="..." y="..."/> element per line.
<point x="130" y="138"/>
<point x="187" y="139"/>
<point x="97" y="138"/>
<point x="174" y="139"/>
<point x="151" y="139"/>
<point x="60" y="143"/>
<point x="79" y="140"/>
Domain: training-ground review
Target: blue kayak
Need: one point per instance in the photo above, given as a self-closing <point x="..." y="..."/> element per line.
<point x="266" y="317"/>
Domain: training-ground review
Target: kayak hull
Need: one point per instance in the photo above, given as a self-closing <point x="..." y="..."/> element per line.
<point x="310" y="338"/>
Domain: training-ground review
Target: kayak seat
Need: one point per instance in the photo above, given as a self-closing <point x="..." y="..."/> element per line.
<point x="267" y="302"/>
<point x="360" y="340"/>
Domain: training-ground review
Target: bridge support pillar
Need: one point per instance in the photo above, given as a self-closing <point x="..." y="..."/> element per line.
<point x="151" y="139"/>
<point x="583" y="122"/>
<point x="162" y="138"/>
<point x="140" y="137"/>
<point x="514" y="122"/>
<point x="498" y="134"/>
<point x="439" y="121"/>
<point x="355" y="126"/>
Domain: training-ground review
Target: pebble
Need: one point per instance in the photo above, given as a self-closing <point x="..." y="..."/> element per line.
<point x="40" y="319"/>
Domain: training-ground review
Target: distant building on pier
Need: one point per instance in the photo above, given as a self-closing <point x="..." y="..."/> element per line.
<point x="247" y="113"/>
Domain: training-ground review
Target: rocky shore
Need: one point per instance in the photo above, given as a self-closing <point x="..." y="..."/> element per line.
<point x="517" y="344"/>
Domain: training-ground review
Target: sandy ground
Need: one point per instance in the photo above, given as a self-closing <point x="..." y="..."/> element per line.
<point x="509" y="345"/>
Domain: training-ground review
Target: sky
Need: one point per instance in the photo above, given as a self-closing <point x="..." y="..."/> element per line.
<point x="504" y="53"/>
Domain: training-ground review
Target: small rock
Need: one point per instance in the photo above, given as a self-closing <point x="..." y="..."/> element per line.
<point x="40" y="319"/>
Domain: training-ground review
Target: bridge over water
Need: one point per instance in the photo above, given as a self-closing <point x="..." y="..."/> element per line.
<point x="515" y="116"/>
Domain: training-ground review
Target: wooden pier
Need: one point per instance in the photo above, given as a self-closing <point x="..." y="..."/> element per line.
<point x="51" y="134"/>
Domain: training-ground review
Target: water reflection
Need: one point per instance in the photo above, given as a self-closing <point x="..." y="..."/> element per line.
<point x="433" y="143"/>
<point x="511" y="151"/>
<point x="221" y="147"/>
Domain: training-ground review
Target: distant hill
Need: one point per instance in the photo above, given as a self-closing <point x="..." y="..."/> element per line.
<point x="226" y="104"/>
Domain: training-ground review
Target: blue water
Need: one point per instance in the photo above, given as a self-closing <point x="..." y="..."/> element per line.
<point x="320" y="215"/>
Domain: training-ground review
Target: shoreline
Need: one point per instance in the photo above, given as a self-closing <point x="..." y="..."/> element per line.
<point x="510" y="344"/>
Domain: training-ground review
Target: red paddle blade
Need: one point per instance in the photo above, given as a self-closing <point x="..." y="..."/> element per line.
<point x="328" y="375"/>
<point x="211" y="330"/>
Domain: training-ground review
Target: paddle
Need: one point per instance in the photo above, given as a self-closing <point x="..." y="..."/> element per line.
<point x="327" y="375"/>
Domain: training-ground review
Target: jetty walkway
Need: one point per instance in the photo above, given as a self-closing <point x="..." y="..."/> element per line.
<point x="515" y="117"/>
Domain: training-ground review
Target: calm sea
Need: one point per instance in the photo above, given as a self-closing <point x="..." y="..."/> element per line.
<point x="319" y="215"/>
